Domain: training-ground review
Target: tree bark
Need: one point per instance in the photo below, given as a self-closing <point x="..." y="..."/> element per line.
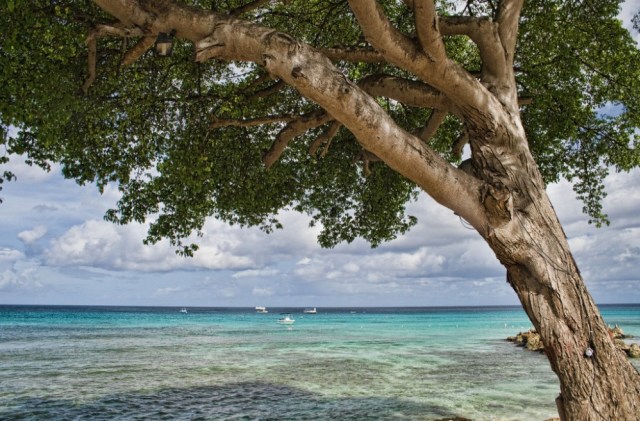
<point x="597" y="381"/>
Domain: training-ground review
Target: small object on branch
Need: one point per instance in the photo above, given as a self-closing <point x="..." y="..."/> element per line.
<point x="164" y="43"/>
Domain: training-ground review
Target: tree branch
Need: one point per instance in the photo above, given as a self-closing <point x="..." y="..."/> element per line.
<point x="427" y="28"/>
<point x="353" y="54"/>
<point x="116" y="29"/>
<point x="317" y="79"/>
<point x="138" y="50"/>
<point x="295" y="128"/>
<point x="484" y="34"/>
<point x="247" y="7"/>
<point x="507" y="19"/>
<point x="269" y="90"/>
<point x="326" y="137"/>
<point x="435" y="120"/>
<point x="409" y="92"/>
<point x="216" y="123"/>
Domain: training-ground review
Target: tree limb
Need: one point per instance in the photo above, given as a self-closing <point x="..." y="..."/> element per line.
<point x="353" y="54"/>
<point x="247" y="7"/>
<point x="216" y="123"/>
<point x="435" y="120"/>
<point x="409" y="92"/>
<point x="296" y="127"/>
<point x="317" y="79"/>
<point x="484" y="34"/>
<point x="269" y="90"/>
<point x="138" y="50"/>
<point x="426" y="20"/>
<point x="116" y="29"/>
<point x="326" y="137"/>
<point x="507" y="19"/>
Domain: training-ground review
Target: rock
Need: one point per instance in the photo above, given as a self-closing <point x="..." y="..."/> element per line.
<point x="534" y="343"/>
<point x="616" y="332"/>
<point x="620" y="344"/>
<point x="530" y="339"/>
<point x="634" y="351"/>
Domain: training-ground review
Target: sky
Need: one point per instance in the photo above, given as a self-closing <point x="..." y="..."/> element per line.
<point x="55" y="248"/>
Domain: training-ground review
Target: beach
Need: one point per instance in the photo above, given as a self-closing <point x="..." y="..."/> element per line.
<point x="236" y="364"/>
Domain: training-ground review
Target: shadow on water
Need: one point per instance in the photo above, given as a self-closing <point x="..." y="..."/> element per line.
<point x="241" y="401"/>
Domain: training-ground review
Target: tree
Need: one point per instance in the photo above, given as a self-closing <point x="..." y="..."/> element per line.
<point x="344" y="111"/>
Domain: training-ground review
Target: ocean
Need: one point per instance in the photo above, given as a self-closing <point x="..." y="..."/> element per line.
<point x="148" y="363"/>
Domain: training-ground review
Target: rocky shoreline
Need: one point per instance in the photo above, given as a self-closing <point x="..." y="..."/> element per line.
<point x="531" y="340"/>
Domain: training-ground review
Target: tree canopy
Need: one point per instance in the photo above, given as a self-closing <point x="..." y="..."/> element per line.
<point x="183" y="140"/>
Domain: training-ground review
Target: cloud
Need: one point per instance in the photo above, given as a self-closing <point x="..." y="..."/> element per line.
<point x="31" y="236"/>
<point x="22" y="276"/>
<point x="102" y="244"/>
<point x="255" y="273"/>
<point x="167" y="291"/>
<point x="10" y="255"/>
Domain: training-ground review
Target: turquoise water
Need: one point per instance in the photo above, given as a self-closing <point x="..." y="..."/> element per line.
<point x="93" y="363"/>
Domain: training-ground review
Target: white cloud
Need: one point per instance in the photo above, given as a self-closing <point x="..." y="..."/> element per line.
<point x="10" y="255"/>
<point x="255" y="273"/>
<point x="22" y="276"/>
<point x="33" y="235"/>
<point x="167" y="290"/>
<point x="102" y="244"/>
<point x="262" y="292"/>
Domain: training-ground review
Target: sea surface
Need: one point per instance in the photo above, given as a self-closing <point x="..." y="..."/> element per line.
<point x="147" y="363"/>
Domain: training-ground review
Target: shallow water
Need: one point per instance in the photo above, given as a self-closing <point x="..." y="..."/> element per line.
<point x="233" y="364"/>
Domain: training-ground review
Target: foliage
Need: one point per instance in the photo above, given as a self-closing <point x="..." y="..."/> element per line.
<point x="147" y="127"/>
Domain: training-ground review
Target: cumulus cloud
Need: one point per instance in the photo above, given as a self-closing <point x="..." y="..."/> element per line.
<point x="10" y="255"/>
<point x="102" y="244"/>
<point x="21" y="276"/>
<point x="33" y="235"/>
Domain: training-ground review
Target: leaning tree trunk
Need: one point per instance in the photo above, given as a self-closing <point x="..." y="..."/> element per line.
<point x="597" y="381"/>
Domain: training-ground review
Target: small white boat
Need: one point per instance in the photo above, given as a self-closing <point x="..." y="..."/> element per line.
<point x="310" y="311"/>
<point x="183" y="310"/>
<point x="260" y="309"/>
<point x="286" y="320"/>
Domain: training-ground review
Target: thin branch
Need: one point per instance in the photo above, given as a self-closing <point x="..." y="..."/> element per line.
<point x="247" y="7"/>
<point x="217" y="123"/>
<point x="435" y="120"/>
<point x="458" y="144"/>
<point x="100" y="31"/>
<point x="269" y="90"/>
<point x="138" y="50"/>
<point x="295" y="128"/>
<point x="353" y="54"/>
<point x="91" y="64"/>
<point x="326" y="137"/>
<point x="409" y="92"/>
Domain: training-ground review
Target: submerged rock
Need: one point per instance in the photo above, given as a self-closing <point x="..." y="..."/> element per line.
<point x="531" y="340"/>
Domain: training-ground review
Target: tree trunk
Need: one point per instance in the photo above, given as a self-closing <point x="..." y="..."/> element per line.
<point x="597" y="382"/>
